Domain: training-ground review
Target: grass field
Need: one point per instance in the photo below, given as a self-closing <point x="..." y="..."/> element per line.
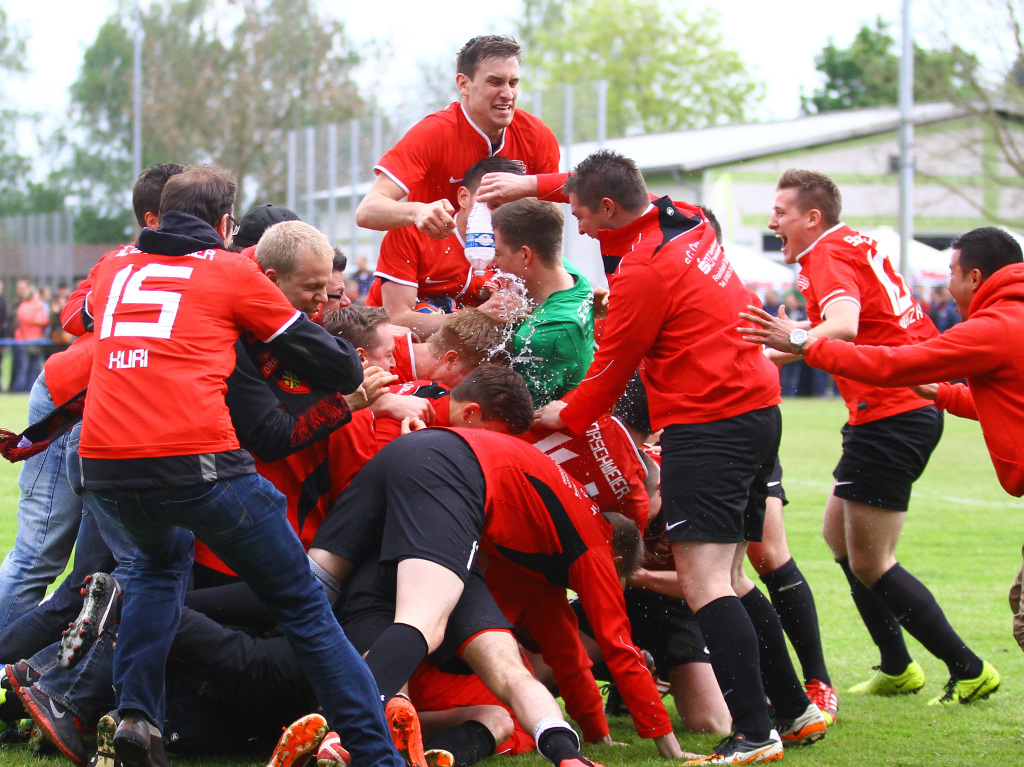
<point x="963" y="539"/>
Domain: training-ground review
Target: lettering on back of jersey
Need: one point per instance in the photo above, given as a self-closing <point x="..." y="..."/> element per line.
<point x="127" y="359"/>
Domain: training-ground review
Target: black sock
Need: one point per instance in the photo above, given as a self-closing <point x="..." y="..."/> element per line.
<point x="781" y="684"/>
<point x="394" y="657"/>
<point x="468" y="742"/>
<point x="794" y="603"/>
<point x="559" y="742"/>
<point x="732" y="643"/>
<point x="880" y="622"/>
<point x="919" y="613"/>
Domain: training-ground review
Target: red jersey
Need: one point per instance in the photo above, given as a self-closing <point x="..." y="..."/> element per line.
<point x="541" y="522"/>
<point x="604" y="460"/>
<point x="405" y="360"/>
<point x="312" y="479"/>
<point x="674" y="305"/>
<point x="429" y="161"/>
<point x="389" y="429"/>
<point x="166" y="328"/>
<point x="844" y="265"/>
<point x="436" y="268"/>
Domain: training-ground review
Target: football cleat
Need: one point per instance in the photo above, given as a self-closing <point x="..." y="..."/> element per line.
<point x="331" y="753"/>
<point x="299" y="741"/>
<point x="98" y="613"/>
<point x="105" y="731"/>
<point x="439" y="757"/>
<point x="808" y="728"/>
<point x="405" y="730"/>
<point x="969" y="690"/>
<point x="824" y="696"/>
<point x="738" y="750"/>
<point x="55" y="723"/>
<point x="910" y="681"/>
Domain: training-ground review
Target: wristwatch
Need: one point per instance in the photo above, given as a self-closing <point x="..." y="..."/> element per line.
<point x="798" y="338"/>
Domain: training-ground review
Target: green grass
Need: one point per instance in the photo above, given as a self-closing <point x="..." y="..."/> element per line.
<point x="962" y="538"/>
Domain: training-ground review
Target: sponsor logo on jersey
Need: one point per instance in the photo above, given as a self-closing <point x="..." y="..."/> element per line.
<point x="292" y="384"/>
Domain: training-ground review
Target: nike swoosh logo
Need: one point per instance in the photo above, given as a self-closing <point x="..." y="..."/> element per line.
<point x="675" y="524"/>
<point x="844" y="483"/>
<point x="789" y="586"/>
<point x="453" y="180"/>
<point x="773" y="484"/>
<point x="53" y="709"/>
<point x="755" y="756"/>
<point x="429" y="281"/>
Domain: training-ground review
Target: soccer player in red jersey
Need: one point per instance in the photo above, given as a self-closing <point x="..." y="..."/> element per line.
<point x="854" y="293"/>
<point x="672" y="295"/>
<point x="160" y="457"/>
<point x="412" y="268"/>
<point x="466" y="339"/>
<point x="428" y="163"/>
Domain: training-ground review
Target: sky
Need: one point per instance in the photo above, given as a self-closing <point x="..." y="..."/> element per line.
<point x="778" y="41"/>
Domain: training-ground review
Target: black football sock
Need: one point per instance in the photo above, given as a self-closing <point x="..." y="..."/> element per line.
<point x="394" y="657"/>
<point x="557" y="740"/>
<point x="732" y="644"/>
<point x="919" y="613"/>
<point x="880" y="622"/>
<point x="781" y="684"/>
<point x="794" y="603"/>
<point x="468" y="742"/>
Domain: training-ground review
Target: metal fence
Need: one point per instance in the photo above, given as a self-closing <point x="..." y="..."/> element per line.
<point x="38" y="247"/>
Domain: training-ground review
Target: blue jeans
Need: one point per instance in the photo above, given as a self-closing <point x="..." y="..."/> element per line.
<point x="49" y="514"/>
<point x="243" y="521"/>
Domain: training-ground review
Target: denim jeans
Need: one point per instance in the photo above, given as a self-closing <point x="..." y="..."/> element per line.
<point x="49" y="514"/>
<point x="243" y="521"/>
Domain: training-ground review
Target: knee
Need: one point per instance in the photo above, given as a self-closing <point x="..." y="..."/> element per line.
<point x="868" y="569"/>
<point x="498" y="721"/>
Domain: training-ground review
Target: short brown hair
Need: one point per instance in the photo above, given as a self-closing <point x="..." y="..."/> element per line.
<point x="626" y="542"/>
<point x="474" y="336"/>
<point x="357" y="325"/>
<point x="149" y="187"/>
<point x="534" y="223"/>
<point x="204" y="191"/>
<point x="472" y="177"/>
<point x="608" y="174"/>
<point x="814" y="191"/>
<point x="501" y="394"/>
<point x="281" y="245"/>
<point x="485" y="47"/>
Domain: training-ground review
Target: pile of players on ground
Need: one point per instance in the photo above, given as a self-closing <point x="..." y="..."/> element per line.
<point x="242" y="468"/>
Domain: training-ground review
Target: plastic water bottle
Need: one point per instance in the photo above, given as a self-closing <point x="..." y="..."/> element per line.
<point x="479" y="237"/>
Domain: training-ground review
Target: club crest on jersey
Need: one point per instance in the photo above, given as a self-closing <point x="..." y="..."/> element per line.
<point x="292" y="384"/>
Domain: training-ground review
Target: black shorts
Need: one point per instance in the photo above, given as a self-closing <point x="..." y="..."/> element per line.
<point x="367" y="607"/>
<point x="662" y="625"/>
<point x="714" y="476"/>
<point x="883" y="458"/>
<point x="421" y="497"/>
<point x="775" y="489"/>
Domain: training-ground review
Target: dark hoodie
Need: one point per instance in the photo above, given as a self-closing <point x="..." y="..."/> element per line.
<point x="987" y="349"/>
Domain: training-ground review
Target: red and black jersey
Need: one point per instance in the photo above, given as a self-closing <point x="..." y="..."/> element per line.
<point x="540" y="522"/>
<point x="674" y="305"/>
<point x="844" y="265"/>
<point x="389" y="429"/>
<point x="604" y="460"/>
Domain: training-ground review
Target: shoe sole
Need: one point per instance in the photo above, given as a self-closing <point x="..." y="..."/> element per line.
<point x="100" y="598"/>
<point x="405" y="731"/>
<point x="105" y="754"/>
<point x="131" y="752"/>
<point x="42" y="724"/>
<point x="299" y="741"/>
<point x="808" y="735"/>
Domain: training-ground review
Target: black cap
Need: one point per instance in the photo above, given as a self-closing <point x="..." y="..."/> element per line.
<point x="257" y="221"/>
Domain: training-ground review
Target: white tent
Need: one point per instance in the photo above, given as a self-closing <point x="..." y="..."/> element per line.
<point x="758" y="271"/>
<point x="928" y="266"/>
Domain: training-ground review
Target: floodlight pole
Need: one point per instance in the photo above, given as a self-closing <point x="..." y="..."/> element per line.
<point x="137" y="97"/>
<point x="906" y="142"/>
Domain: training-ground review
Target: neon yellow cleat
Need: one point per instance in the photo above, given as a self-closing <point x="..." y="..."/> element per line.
<point x="910" y="681"/>
<point x="969" y="690"/>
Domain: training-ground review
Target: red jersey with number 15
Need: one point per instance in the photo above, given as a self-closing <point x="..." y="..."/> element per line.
<point x="166" y="328"/>
<point x="844" y="265"/>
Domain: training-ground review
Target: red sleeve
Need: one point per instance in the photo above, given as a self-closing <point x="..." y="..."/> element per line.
<point x="71" y="314"/>
<point x="635" y="316"/>
<point x="264" y="312"/>
<point x="834" y="278"/>
<point x="552" y="624"/>
<point x="970" y="348"/>
<point x="399" y="259"/>
<point x="956" y="399"/>
<point x="408" y="162"/>
<point x="593" y="578"/>
<point x="551" y="187"/>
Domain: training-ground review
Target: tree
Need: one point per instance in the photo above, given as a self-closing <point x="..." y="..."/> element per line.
<point x="866" y="74"/>
<point x="14" y="167"/>
<point x="667" y="68"/>
<point x="222" y="82"/>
